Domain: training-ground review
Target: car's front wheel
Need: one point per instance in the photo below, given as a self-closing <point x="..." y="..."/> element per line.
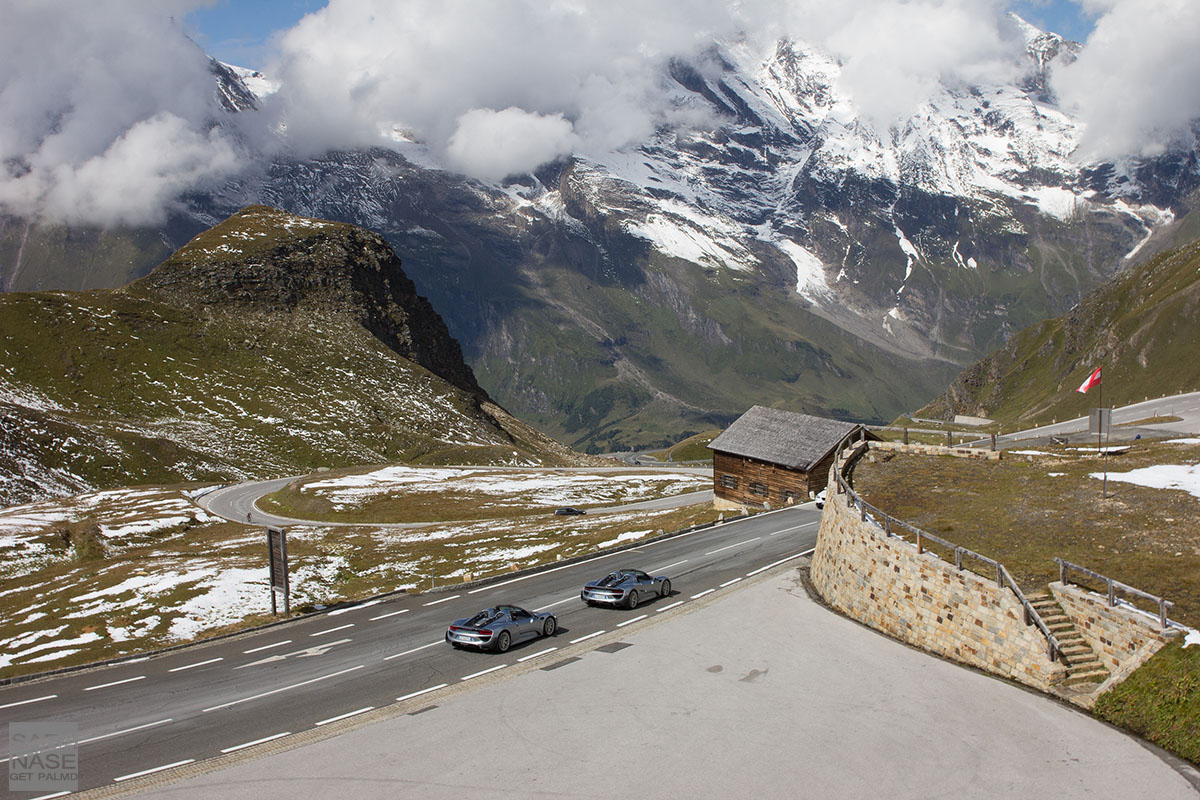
<point x="666" y="589"/>
<point x="632" y="600"/>
<point x="503" y="642"/>
<point x="550" y="626"/>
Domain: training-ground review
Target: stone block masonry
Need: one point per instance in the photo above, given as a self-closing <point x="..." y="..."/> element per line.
<point x="925" y="601"/>
<point x="1121" y="637"/>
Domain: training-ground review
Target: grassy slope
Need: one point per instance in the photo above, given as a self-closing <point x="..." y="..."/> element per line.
<point x="1143" y="327"/>
<point x="144" y="392"/>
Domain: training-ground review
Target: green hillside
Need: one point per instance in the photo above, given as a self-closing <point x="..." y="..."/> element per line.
<point x="1143" y="327"/>
<point x="251" y="353"/>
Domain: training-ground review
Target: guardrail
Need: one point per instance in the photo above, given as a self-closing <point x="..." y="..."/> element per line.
<point x="1065" y="566"/>
<point x="886" y="521"/>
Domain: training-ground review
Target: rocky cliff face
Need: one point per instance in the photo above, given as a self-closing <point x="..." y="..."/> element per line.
<point x="271" y="261"/>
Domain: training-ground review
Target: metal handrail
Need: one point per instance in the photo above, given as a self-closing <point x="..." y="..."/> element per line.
<point x="1003" y="576"/>
<point x="1113" y="585"/>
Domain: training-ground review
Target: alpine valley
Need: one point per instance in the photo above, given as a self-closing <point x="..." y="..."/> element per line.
<point x="785" y="255"/>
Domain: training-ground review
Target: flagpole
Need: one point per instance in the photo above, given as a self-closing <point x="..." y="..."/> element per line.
<point x="1099" y="433"/>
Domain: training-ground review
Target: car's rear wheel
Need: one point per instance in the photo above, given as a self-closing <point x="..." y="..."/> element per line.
<point x="632" y="600"/>
<point x="666" y="589"/>
<point x="503" y="642"/>
<point x="550" y="626"/>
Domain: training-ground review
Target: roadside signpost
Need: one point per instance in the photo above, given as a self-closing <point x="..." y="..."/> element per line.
<point x="277" y="553"/>
<point x="1100" y="423"/>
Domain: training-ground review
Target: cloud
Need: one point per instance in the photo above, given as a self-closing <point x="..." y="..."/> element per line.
<point x="106" y="111"/>
<point x="1136" y="85"/>
<point x="492" y="144"/>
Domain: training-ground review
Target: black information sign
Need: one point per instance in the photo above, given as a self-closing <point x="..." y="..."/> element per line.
<point x="277" y="550"/>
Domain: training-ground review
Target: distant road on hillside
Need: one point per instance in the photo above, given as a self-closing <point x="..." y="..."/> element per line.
<point x="1184" y="406"/>
<point x="238" y="503"/>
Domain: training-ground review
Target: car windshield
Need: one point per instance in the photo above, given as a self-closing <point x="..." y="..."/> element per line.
<point x="485" y="617"/>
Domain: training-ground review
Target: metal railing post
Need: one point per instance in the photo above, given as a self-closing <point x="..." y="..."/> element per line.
<point x="887" y="527"/>
<point x="1000" y="576"/>
<point x="1112" y="594"/>
<point x="1162" y="614"/>
<point x="920" y="544"/>
<point x="1062" y="572"/>
<point x="958" y="558"/>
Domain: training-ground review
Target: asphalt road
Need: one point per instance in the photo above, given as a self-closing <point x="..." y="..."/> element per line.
<point x="1185" y="406"/>
<point x="205" y="701"/>
<point x="238" y="502"/>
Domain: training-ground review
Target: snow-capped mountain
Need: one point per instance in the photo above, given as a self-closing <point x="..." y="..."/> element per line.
<point x="787" y="253"/>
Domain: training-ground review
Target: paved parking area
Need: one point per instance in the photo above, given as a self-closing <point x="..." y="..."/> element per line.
<point x="760" y="693"/>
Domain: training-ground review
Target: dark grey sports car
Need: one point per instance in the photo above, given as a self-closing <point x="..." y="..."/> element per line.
<point x="500" y="628"/>
<point x="626" y="587"/>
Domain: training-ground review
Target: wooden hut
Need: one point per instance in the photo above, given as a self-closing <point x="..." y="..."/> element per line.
<point x="769" y="457"/>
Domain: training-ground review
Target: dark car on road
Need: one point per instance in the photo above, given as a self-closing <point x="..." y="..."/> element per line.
<point x="567" y="511"/>
<point x="500" y="627"/>
<point x="625" y="587"/>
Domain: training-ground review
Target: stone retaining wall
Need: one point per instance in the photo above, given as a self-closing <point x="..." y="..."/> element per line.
<point x="1123" y="639"/>
<point x="924" y="600"/>
<point x="938" y="450"/>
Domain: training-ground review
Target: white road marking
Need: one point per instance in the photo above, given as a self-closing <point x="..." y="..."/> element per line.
<point x="558" y="603"/>
<point x="127" y="730"/>
<point x="237" y="747"/>
<point x="415" y="649"/>
<point x="197" y="664"/>
<point x="423" y="691"/>
<point x="777" y="563"/>
<point x="49" y="796"/>
<point x="540" y="653"/>
<point x="115" y="683"/>
<point x="333" y="630"/>
<point x="232" y="703"/>
<point x="729" y="583"/>
<point x="667" y="567"/>
<point x="390" y="614"/>
<point x="706" y="591"/>
<point x="673" y="605"/>
<point x="31" y="700"/>
<point x="631" y="621"/>
<point x="444" y="599"/>
<point x="584" y="638"/>
<point x="153" y="770"/>
<point x="347" y="715"/>
<point x="484" y="672"/>
<point x="267" y="646"/>
<point x="796" y="527"/>
<point x="545" y="572"/>
<point x="730" y="546"/>
<point x="308" y="652"/>
<point x="367" y="604"/>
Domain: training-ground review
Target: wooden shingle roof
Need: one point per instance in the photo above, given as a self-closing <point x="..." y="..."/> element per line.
<point x="798" y="441"/>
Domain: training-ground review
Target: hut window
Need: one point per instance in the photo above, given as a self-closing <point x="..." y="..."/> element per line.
<point x="758" y="488"/>
<point x="729" y="482"/>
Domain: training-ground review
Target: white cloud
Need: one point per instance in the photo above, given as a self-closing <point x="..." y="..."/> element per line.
<point x="105" y="111"/>
<point x="1136" y="85"/>
<point x="492" y="144"/>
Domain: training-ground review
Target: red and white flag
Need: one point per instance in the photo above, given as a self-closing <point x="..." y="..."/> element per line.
<point x="1093" y="380"/>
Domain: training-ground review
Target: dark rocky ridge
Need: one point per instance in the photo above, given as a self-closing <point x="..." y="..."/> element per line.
<point x="267" y="260"/>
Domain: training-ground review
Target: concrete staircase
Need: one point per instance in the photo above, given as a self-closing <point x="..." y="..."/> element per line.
<point x="1083" y="666"/>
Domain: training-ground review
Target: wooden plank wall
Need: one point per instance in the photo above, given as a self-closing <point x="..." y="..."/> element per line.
<point x="777" y="480"/>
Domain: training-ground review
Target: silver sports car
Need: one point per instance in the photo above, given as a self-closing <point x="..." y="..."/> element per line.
<point x="626" y="587"/>
<point x="500" y="628"/>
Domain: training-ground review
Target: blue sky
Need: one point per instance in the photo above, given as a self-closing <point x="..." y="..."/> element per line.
<point x="240" y="33"/>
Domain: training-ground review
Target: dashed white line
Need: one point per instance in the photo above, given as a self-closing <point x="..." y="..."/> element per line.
<point x="445" y="599"/>
<point x="197" y="664"/>
<point x="631" y="621"/>
<point x="423" y="691"/>
<point x="237" y="747"/>
<point x="539" y="653"/>
<point x="390" y="614"/>
<point x="347" y="715"/>
<point x="367" y="604"/>
<point x="584" y="638"/>
<point x="153" y="770"/>
<point x="777" y="563"/>
<point x="31" y="700"/>
<point x="114" y="683"/>
<point x="730" y="546"/>
<point x="484" y="672"/>
<point x="267" y="647"/>
<point x="673" y="605"/>
<point x="333" y="630"/>
<point x="558" y="603"/>
<point x="415" y="649"/>
<point x="796" y="527"/>
<point x="729" y="583"/>
<point x="547" y="571"/>
<point x="127" y="730"/>
<point x="706" y="591"/>
<point x="667" y="567"/>
<point x="50" y="796"/>
<point x="232" y="703"/>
